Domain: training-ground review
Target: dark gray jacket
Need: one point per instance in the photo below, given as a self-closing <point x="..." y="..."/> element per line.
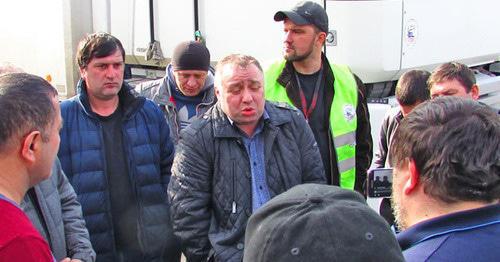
<point x="211" y="189"/>
<point x="68" y="236"/>
<point x="389" y="126"/>
<point x="160" y="92"/>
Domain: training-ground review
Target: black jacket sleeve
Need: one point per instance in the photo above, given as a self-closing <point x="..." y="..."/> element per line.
<point x="364" y="144"/>
<point x="383" y="147"/>
<point x="190" y="194"/>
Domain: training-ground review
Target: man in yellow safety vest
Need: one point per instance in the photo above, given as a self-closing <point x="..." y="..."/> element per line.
<point x="325" y="93"/>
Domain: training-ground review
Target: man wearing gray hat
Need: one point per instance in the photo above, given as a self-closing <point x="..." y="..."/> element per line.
<point x="324" y="93"/>
<point x="187" y="90"/>
<point x="313" y="222"/>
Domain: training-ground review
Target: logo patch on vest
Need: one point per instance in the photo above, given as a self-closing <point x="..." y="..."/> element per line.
<point x="349" y="112"/>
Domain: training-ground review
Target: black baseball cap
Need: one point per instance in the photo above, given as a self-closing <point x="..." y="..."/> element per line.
<point x="306" y="13"/>
<point x="312" y="222"/>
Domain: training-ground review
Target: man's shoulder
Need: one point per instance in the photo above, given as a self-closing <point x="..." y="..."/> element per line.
<point x="392" y="114"/>
<point x="282" y="112"/>
<point x="450" y="246"/>
<point x="281" y="106"/>
<point x="19" y="240"/>
<point x="445" y="236"/>
<point x="148" y="113"/>
<point x="201" y="124"/>
<point x="13" y="222"/>
<point x="149" y="105"/>
<point x="70" y="102"/>
<point x="424" y="250"/>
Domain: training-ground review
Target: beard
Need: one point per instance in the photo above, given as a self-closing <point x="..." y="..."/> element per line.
<point x="400" y="214"/>
<point x="295" y="57"/>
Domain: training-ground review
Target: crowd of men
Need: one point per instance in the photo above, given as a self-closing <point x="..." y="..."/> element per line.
<point x="244" y="163"/>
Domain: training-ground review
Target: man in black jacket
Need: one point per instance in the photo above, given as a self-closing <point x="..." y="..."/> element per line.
<point x="232" y="160"/>
<point x="331" y="98"/>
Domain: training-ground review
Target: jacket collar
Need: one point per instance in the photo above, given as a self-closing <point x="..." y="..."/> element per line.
<point x="223" y="127"/>
<point x="129" y="102"/>
<point x="454" y="222"/>
<point x="286" y="79"/>
<point x="288" y="71"/>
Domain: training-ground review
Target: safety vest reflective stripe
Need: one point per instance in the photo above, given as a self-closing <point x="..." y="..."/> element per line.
<point x="343" y="119"/>
<point x="346" y="165"/>
<point x="345" y="139"/>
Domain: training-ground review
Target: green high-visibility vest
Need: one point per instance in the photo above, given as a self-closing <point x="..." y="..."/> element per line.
<point x="343" y="119"/>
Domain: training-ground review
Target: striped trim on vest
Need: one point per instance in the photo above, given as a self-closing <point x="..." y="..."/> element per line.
<point x="343" y="118"/>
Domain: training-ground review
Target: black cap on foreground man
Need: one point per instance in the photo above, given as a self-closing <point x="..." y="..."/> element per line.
<point x="313" y="222"/>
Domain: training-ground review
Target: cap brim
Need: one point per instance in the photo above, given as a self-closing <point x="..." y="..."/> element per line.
<point x="296" y="18"/>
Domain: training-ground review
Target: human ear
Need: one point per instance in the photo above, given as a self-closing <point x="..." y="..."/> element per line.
<point x="322" y="38"/>
<point x="474" y="91"/>
<point x="83" y="73"/>
<point x="30" y="145"/>
<point x="414" y="176"/>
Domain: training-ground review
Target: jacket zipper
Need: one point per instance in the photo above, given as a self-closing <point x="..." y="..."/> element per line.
<point x="233" y="207"/>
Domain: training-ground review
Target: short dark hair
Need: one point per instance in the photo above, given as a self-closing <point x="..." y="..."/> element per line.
<point x="25" y="105"/>
<point x="455" y="145"/>
<point x="97" y="45"/>
<point x="453" y="71"/>
<point x="235" y="59"/>
<point x="412" y="87"/>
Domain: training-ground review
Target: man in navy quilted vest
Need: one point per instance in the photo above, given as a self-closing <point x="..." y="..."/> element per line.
<point x="117" y="153"/>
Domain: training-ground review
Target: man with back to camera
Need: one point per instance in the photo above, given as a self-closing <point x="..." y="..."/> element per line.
<point x="331" y="98"/>
<point x="238" y="155"/>
<point x="52" y="207"/>
<point x="117" y="153"/>
<point x="446" y="183"/>
<point x="187" y="90"/>
<point x="311" y="222"/>
<point x="29" y="140"/>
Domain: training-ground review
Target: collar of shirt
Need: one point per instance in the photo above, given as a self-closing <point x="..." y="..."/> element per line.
<point x="260" y="125"/>
<point x="2" y="197"/>
<point x="458" y="221"/>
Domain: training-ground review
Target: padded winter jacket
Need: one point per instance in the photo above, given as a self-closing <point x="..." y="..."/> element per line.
<point x="149" y="153"/>
<point x="160" y="92"/>
<point x="211" y="188"/>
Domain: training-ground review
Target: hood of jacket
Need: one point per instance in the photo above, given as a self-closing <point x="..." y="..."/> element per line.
<point x="130" y="103"/>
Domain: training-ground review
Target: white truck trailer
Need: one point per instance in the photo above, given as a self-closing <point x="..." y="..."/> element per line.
<point x="378" y="39"/>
